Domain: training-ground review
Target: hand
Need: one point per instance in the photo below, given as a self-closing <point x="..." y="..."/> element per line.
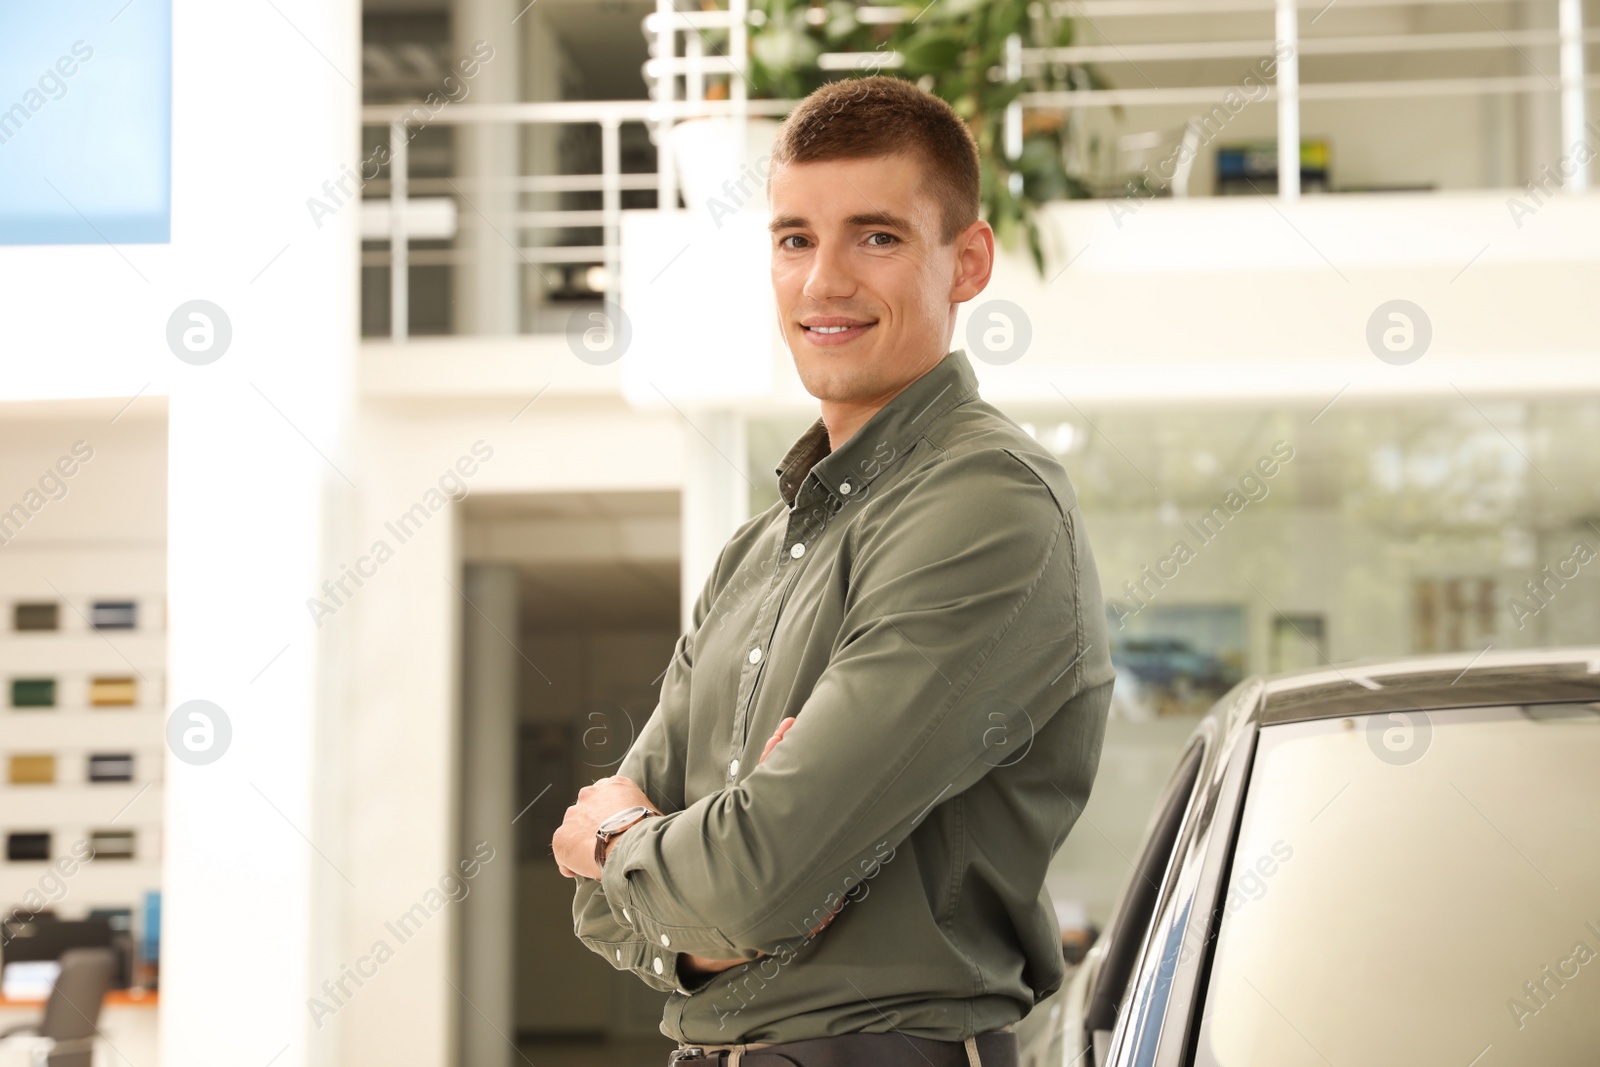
<point x="777" y="735"/>
<point x="573" y="844"/>
<point x="699" y="966"/>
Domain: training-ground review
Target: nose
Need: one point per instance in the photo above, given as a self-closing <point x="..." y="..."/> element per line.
<point x="829" y="277"/>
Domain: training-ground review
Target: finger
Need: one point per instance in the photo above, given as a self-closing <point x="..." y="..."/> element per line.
<point x="777" y="735"/>
<point x="830" y="917"/>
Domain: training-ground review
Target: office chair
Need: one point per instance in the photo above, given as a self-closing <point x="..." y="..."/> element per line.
<point x="72" y="1014"/>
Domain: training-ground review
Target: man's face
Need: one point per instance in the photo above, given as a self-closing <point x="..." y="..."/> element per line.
<point x="855" y="243"/>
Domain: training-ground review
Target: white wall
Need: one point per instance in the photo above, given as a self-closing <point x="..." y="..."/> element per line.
<point x="256" y="443"/>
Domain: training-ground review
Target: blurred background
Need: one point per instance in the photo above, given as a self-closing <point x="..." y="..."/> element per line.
<point x="378" y="383"/>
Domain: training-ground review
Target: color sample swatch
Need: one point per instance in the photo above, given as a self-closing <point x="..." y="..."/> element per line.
<point x="33" y="692"/>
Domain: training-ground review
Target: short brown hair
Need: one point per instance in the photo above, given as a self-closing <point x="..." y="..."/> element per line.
<point x="859" y="118"/>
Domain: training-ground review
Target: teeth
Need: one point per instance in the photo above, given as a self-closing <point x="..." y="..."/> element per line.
<point x="830" y="329"/>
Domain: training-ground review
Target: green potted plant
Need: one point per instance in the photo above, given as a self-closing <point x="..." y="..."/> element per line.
<point x="955" y="49"/>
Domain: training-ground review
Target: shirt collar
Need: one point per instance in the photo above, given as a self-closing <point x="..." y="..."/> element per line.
<point x="882" y="439"/>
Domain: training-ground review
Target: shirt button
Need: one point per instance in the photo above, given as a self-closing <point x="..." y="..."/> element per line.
<point x="656" y="963"/>
<point x="626" y="917"/>
<point x="665" y="941"/>
<point x="844" y="487"/>
<point x="733" y="769"/>
<point x="755" y="655"/>
<point x="619" y="955"/>
<point x="797" y="550"/>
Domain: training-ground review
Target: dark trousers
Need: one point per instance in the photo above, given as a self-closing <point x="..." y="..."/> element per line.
<point x="997" y="1048"/>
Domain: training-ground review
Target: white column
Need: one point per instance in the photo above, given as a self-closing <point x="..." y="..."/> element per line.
<point x="487" y="299"/>
<point x="1540" y="136"/>
<point x="488" y="802"/>
<point x="665" y="90"/>
<point x="716" y="495"/>
<point x="544" y="69"/>
<point x="399" y="240"/>
<point x="1288" y="32"/>
<point x="1572" y="99"/>
<point x="260" y="475"/>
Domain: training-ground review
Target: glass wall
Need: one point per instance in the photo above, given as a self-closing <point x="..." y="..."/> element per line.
<point x="1243" y="540"/>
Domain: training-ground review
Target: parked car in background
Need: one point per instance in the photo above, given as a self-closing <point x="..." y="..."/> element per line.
<point x="1376" y="863"/>
<point x="1167" y="661"/>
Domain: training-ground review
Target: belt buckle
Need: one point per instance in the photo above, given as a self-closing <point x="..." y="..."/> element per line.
<point x="684" y="1055"/>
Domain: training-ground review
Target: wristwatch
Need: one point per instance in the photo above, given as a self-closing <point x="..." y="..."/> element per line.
<point x="614" y="826"/>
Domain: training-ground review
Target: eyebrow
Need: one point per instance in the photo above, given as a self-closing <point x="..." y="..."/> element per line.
<point x="870" y="218"/>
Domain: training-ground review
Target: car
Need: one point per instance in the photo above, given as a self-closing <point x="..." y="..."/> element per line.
<point x="1376" y="863"/>
<point x="1167" y="661"/>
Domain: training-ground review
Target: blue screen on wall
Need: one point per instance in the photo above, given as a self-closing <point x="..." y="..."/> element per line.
<point x="85" y="121"/>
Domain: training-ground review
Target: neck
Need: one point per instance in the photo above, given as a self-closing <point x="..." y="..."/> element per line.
<point x="843" y="420"/>
<point x="844" y="417"/>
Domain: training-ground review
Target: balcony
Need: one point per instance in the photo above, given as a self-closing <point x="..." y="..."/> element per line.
<point x="1443" y="160"/>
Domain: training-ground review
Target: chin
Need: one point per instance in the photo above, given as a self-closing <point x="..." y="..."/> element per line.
<point x="820" y="382"/>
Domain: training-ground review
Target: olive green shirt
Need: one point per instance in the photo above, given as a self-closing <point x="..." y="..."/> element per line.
<point x="924" y="600"/>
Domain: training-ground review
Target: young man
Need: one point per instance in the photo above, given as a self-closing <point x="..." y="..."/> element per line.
<point x="829" y="841"/>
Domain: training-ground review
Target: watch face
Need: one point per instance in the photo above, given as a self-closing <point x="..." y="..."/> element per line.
<point x="621" y="819"/>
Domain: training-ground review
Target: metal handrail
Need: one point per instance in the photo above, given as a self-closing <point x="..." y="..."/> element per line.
<point x="664" y="109"/>
<point x="1355" y="90"/>
<point x="398" y="188"/>
<point x="1099" y="9"/>
<point x="1365" y="44"/>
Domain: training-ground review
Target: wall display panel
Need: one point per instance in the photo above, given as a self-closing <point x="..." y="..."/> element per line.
<point x="32" y="769"/>
<point x="113" y="692"/>
<point x="83" y="652"/>
<point x="27" y="847"/>
<point x="115" y="615"/>
<point x="33" y="692"/>
<point x="86" y="122"/>
<point x="112" y="844"/>
<point x="35" y="617"/>
<point x="111" y="767"/>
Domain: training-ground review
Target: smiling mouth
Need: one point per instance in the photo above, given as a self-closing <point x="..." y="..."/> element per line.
<point x="827" y="330"/>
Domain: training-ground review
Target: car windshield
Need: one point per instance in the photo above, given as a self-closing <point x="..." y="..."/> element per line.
<point x="1414" y="888"/>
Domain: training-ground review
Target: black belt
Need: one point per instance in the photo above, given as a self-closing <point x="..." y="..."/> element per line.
<point x="997" y="1048"/>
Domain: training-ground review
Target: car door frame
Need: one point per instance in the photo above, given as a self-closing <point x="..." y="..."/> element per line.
<point x="1158" y="1020"/>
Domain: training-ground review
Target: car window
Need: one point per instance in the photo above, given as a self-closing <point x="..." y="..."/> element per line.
<point x="1417" y="887"/>
<point x="1128" y="925"/>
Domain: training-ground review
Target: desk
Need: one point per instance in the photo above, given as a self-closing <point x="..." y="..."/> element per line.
<point x="127" y="1026"/>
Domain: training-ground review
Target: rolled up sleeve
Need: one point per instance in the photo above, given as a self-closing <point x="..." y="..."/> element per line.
<point x="958" y="635"/>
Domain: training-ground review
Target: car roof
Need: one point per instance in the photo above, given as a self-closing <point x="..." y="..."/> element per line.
<point x="1562" y="675"/>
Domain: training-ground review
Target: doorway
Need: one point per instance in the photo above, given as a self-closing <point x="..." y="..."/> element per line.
<point x="572" y="616"/>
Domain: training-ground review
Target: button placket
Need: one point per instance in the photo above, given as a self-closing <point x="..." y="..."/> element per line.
<point x="765" y="623"/>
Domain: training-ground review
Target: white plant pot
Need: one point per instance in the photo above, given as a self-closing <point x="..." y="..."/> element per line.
<point x="710" y="166"/>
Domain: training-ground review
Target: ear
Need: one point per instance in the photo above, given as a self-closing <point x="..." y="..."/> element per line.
<point x="974" y="248"/>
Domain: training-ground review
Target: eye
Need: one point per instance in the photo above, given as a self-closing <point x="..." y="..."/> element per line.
<point x="881" y="233"/>
<point x="793" y="236"/>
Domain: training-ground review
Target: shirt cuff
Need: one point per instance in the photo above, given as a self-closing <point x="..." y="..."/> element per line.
<point x="657" y="941"/>
<point x="656" y="966"/>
